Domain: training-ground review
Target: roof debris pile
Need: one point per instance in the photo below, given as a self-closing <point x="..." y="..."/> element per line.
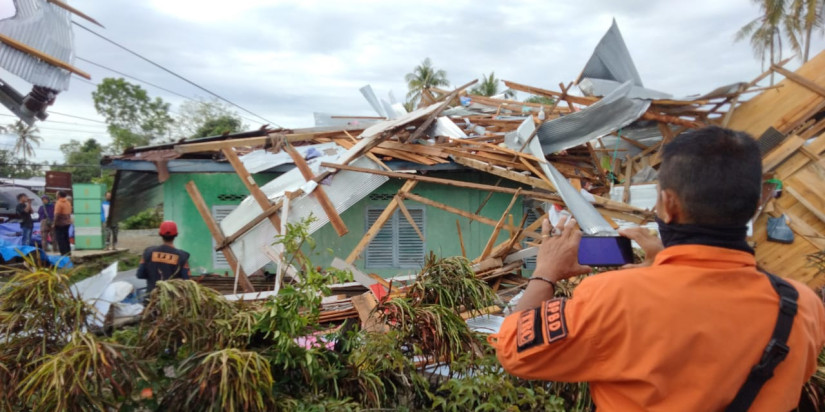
<point x="595" y="153"/>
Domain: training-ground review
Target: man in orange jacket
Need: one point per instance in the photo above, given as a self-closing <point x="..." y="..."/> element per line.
<point x="683" y="330"/>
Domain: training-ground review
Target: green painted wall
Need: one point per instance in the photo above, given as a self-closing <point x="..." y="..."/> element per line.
<point x="440" y="231"/>
<point x="194" y="236"/>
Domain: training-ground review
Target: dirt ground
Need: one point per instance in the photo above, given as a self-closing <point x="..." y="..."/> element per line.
<point x="137" y="240"/>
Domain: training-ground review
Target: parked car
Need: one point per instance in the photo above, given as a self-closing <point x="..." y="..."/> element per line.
<point x="8" y="202"/>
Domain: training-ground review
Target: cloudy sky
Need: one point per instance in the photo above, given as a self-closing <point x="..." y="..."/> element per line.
<point x="285" y="60"/>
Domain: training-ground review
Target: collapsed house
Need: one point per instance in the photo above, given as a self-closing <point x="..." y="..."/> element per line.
<point x="472" y="175"/>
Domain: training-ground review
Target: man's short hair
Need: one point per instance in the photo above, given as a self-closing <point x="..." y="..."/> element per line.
<point x="716" y="173"/>
<point x="169" y="238"/>
<point x="20" y="196"/>
<point x="61" y="194"/>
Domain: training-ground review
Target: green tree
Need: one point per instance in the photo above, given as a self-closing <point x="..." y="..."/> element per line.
<point x="489" y="87"/>
<point x="803" y="16"/>
<point x="765" y="32"/>
<point x="11" y="166"/>
<point x="201" y="118"/>
<point x="134" y="118"/>
<point x="540" y="100"/>
<point x="26" y="137"/>
<point x="423" y="77"/>
<point x="218" y="126"/>
<point x="82" y="160"/>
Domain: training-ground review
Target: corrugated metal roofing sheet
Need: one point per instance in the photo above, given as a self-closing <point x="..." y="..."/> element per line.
<point x="47" y="28"/>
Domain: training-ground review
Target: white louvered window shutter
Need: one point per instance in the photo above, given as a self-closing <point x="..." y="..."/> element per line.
<point x="219" y="212"/>
<point x="397" y="245"/>
<point x="532" y="216"/>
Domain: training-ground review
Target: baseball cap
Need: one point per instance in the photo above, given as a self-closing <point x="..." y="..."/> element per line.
<point x="168" y="228"/>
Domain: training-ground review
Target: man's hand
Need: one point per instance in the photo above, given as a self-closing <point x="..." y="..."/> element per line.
<point x="558" y="256"/>
<point x="647" y="240"/>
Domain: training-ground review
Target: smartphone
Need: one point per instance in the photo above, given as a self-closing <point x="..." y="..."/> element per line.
<point x="605" y="251"/>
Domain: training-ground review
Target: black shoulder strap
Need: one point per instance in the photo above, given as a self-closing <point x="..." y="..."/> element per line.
<point x="776" y="350"/>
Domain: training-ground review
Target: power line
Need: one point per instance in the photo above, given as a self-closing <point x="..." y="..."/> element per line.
<point x="77" y="117"/>
<point x="57" y="121"/>
<point x="50" y="165"/>
<point x="148" y="83"/>
<point x="172" y="73"/>
<point x="131" y="77"/>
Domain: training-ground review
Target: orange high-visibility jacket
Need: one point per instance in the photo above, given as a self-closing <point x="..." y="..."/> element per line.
<point x="681" y="335"/>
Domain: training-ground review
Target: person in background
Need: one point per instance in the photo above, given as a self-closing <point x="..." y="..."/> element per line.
<point x="62" y="222"/>
<point x="46" y="214"/>
<point x="163" y="262"/>
<point x="24" y="212"/>
<point x="111" y="227"/>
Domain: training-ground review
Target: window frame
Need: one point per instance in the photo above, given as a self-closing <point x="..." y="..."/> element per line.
<point x="394" y="223"/>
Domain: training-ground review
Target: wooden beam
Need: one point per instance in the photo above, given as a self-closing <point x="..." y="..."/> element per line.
<point x="464" y="213"/>
<point x="251" y="186"/>
<point x="217" y="234"/>
<point x="460" y="238"/>
<point x="599" y="200"/>
<point x="319" y="193"/>
<point x="71" y="9"/>
<point x="778" y="155"/>
<point x="802" y="81"/>
<point x="410" y="219"/>
<point x="376" y="227"/>
<point x="497" y="228"/>
<point x="216" y="146"/>
<point x="628" y="170"/>
<point x="8" y="41"/>
<point x="586" y="101"/>
<point x="805" y="202"/>
<point x="434" y="115"/>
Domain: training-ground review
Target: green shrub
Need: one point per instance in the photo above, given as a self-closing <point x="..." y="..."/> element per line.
<point x="147" y="219"/>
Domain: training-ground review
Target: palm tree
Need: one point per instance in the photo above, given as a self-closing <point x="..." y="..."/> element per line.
<point x="803" y="16"/>
<point x="765" y="31"/>
<point x="489" y="87"/>
<point x="26" y="135"/>
<point x="423" y="77"/>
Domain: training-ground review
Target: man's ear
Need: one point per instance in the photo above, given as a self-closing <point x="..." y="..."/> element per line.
<point x="670" y="207"/>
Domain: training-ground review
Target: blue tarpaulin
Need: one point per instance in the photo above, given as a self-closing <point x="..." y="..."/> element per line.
<point x="10" y="246"/>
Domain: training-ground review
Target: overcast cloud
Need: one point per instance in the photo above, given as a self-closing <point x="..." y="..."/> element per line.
<point x="285" y="60"/>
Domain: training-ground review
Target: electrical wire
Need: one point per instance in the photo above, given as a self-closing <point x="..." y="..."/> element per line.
<point x="58" y="121"/>
<point x="131" y="77"/>
<point x="172" y="73"/>
<point x="147" y="83"/>
<point x="77" y="117"/>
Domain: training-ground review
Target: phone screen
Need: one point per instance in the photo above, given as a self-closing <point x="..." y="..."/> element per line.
<point x="605" y="251"/>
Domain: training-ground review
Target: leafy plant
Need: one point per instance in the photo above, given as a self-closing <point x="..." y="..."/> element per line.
<point x="147" y="219"/>
<point x="226" y="380"/>
<point x="183" y="315"/>
<point x="87" y="374"/>
<point x="452" y="283"/>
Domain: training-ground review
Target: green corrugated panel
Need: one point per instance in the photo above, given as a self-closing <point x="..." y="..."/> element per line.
<point x="88" y="206"/>
<point x="88" y="242"/>
<point x="87" y="220"/>
<point x="88" y="191"/>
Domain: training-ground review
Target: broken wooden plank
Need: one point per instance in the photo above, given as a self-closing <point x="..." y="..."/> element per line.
<point x="410" y="219"/>
<point x="376" y="227"/>
<point x="460" y="238"/>
<point x="799" y="79"/>
<point x="31" y="51"/>
<point x="462" y="213"/>
<point x="497" y="228"/>
<point x="319" y="193"/>
<point x="217" y="234"/>
<point x="251" y="185"/>
<point x="778" y="155"/>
